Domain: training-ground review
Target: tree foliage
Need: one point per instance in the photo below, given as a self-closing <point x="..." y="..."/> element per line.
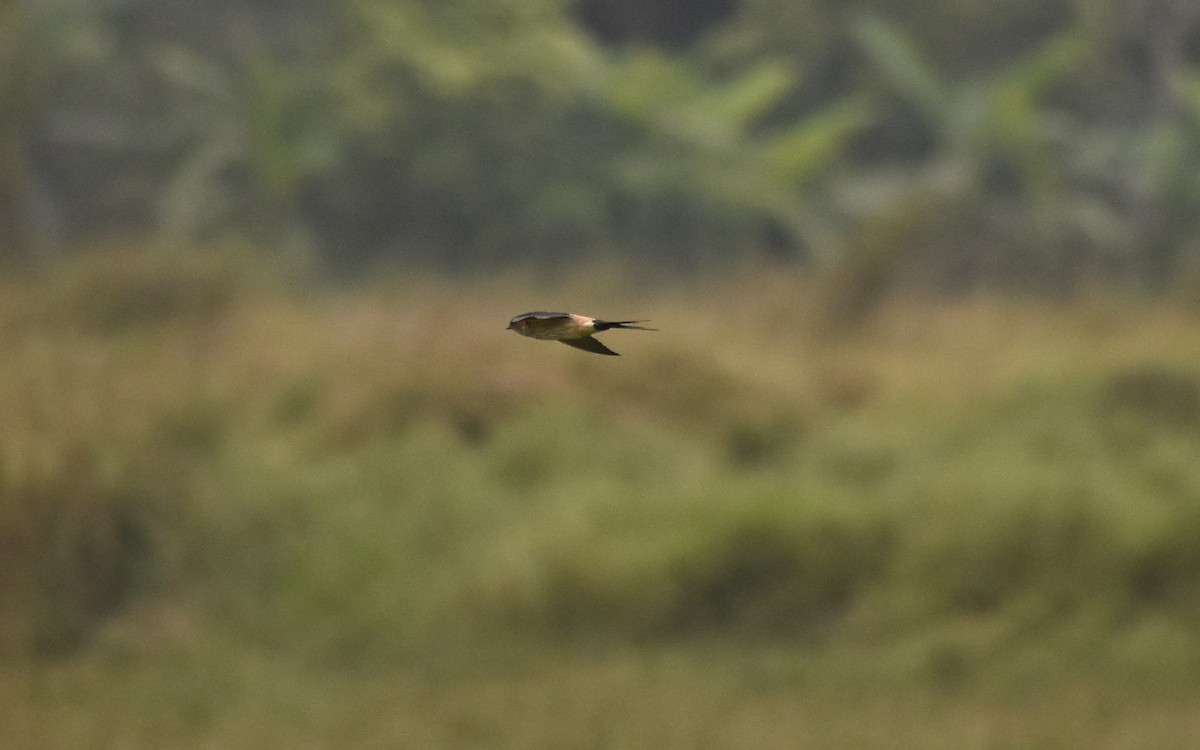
<point x="1050" y="141"/>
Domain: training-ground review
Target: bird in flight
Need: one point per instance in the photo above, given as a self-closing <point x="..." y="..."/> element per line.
<point x="571" y="329"/>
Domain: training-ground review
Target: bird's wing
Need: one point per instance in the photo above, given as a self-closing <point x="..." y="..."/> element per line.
<point x="589" y="344"/>
<point x="540" y="315"/>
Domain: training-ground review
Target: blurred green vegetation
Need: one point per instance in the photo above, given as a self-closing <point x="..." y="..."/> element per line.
<point x="245" y="504"/>
<point x="1042" y="144"/>
<point x="263" y="512"/>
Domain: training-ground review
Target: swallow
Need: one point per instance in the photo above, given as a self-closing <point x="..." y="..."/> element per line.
<point x="571" y="329"/>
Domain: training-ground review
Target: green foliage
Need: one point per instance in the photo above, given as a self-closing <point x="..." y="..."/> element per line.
<point x="803" y="153"/>
<point x="481" y="133"/>
<point x="896" y="62"/>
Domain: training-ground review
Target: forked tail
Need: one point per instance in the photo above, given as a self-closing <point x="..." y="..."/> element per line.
<point x="604" y="325"/>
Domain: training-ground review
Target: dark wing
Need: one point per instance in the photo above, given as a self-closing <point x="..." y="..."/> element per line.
<point x="540" y="316"/>
<point x="589" y="344"/>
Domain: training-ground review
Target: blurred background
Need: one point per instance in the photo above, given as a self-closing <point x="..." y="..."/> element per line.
<point x="913" y="461"/>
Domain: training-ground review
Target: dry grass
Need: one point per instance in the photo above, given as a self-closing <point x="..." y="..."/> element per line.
<point x="263" y="512"/>
<point x="683" y="697"/>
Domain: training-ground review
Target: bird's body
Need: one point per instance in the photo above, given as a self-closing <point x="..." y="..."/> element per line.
<point x="569" y="328"/>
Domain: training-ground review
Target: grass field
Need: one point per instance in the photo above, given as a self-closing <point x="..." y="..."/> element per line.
<point x="240" y="509"/>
